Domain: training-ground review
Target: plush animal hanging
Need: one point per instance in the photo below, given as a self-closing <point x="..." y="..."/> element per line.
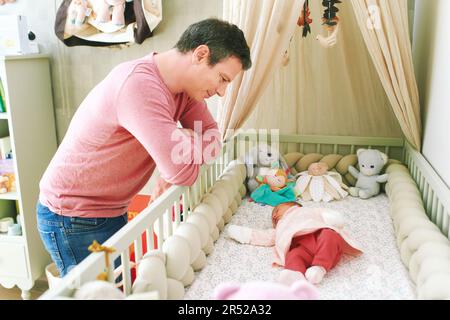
<point x="319" y="184"/>
<point x="371" y="163"/>
<point x="330" y="20"/>
<point x="304" y="20"/>
<point x="96" y="247"/>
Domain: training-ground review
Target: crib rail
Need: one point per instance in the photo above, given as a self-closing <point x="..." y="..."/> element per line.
<point x="160" y="218"/>
<point x="435" y="193"/>
<point x="343" y="145"/>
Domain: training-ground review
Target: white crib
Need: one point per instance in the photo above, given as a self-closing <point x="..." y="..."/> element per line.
<point x="157" y="217"/>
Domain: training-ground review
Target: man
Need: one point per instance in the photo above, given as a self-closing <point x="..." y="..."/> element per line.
<point x="125" y="127"/>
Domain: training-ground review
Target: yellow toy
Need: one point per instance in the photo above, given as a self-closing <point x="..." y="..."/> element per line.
<point x="275" y="178"/>
<point x="96" y="247"/>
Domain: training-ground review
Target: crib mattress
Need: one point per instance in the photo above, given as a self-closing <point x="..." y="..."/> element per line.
<point x="376" y="274"/>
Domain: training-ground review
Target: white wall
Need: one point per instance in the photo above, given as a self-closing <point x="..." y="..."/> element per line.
<point x="431" y="50"/>
<point x="76" y="70"/>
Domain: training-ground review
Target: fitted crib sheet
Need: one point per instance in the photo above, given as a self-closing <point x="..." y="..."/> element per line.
<point x="376" y="274"/>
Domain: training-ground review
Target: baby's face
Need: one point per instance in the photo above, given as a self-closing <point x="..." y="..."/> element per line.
<point x="279" y="211"/>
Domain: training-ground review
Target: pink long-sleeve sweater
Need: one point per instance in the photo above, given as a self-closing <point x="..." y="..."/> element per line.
<point x="125" y="127"/>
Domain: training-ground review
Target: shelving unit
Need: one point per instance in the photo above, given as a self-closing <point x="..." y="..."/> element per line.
<point x="29" y="122"/>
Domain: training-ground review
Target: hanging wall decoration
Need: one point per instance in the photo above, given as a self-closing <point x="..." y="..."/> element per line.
<point x="304" y="20"/>
<point x="330" y="22"/>
<point x="329" y="16"/>
<point x="107" y="22"/>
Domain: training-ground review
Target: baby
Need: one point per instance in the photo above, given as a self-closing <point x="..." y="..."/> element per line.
<point x="308" y="241"/>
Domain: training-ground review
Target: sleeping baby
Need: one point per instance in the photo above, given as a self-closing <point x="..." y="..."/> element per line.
<point x="307" y="241"/>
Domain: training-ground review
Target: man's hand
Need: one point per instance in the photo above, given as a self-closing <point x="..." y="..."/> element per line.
<point x="160" y="187"/>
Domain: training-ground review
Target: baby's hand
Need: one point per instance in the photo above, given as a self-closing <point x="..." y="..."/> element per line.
<point x="239" y="233"/>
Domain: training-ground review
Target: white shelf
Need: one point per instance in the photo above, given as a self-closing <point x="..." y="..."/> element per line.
<point x="33" y="142"/>
<point x="12" y="239"/>
<point x="9" y="196"/>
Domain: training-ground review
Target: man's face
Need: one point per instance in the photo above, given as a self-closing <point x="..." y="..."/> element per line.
<point x="207" y="80"/>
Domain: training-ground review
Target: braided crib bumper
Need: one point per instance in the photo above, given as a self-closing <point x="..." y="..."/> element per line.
<point x="425" y="251"/>
<point x="184" y="252"/>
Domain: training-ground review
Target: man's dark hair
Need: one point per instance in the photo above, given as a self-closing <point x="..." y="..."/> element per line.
<point x="222" y="38"/>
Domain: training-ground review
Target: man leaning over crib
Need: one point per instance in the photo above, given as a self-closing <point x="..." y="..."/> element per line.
<point x="127" y="126"/>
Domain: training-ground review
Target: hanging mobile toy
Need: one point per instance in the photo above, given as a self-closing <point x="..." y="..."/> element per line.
<point x="330" y="20"/>
<point x="329" y="15"/>
<point x="96" y="247"/>
<point x="304" y="20"/>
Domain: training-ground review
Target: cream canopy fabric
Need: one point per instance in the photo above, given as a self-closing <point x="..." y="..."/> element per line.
<point x="334" y="91"/>
<point x="384" y="25"/>
<point x="268" y="26"/>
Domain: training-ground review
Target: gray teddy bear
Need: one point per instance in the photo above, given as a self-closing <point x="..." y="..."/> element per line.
<point x="371" y="162"/>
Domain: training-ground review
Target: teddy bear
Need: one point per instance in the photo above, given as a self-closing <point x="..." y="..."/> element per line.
<point x="118" y="12"/>
<point x="259" y="161"/>
<point x="370" y="162"/>
<point x="263" y="290"/>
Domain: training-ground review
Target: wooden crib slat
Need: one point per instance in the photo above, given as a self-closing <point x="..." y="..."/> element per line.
<point x="434" y="205"/>
<point x="168" y="217"/>
<point x="184" y="198"/>
<point x="352" y="149"/>
<point x="429" y="199"/>
<point x="150" y="239"/>
<point x="445" y="223"/>
<point x="160" y="232"/>
<point x="138" y="249"/>
<point x="126" y="275"/>
<point x="176" y="207"/>
<point x="440" y="218"/>
<point x="335" y="149"/>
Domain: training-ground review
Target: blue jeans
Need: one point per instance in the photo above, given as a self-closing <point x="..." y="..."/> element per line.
<point x="67" y="238"/>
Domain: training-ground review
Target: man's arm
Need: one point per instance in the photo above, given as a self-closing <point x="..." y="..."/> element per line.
<point x="197" y="117"/>
<point x="143" y="110"/>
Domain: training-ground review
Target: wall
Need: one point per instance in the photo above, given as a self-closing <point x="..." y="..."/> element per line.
<point x="431" y="51"/>
<point x="76" y="70"/>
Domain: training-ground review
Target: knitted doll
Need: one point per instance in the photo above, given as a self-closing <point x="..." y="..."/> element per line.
<point x="319" y="184"/>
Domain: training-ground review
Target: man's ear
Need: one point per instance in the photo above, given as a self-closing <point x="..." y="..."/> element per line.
<point x="201" y="54"/>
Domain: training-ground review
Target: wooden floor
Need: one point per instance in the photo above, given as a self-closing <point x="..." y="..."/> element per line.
<point x="15" y="293"/>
